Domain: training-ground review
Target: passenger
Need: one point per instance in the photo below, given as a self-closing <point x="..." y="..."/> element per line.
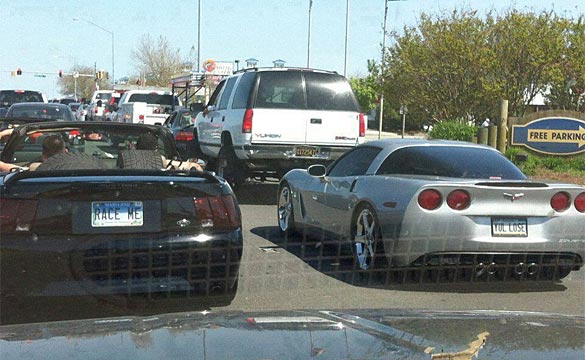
<point x="6" y="167"/>
<point x="150" y="142"/>
<point x="52" y="145"/>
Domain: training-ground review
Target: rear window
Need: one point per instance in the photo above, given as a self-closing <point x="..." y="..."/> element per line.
<point x="41" y="112"/>
<point x="280" y="90"/>
<point x="450" y="161"/>
<point x="329" y="92"/>
<point x="153" y="99"/>
<point x="9" y="97"/>
<point x="103" y="96"/>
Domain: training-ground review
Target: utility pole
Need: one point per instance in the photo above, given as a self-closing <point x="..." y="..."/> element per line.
<point x="346" y="36"/>
<point x="309" y="35"/>
<point x="382" y="70"/>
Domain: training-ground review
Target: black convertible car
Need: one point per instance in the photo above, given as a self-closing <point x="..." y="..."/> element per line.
<point x="108" y="218"/>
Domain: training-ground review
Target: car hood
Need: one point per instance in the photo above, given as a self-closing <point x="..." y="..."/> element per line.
<point x="363" y="334"/>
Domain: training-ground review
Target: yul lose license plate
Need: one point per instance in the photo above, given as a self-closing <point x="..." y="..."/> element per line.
<point x="116" y="213"/>
<point x="517" y="227"/>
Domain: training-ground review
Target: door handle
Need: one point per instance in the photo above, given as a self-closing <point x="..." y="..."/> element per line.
<point x="316" y="121"/>
<point x="223" y="118"/>
<point x="314" y="197"/>
<point x="211" y="120"/>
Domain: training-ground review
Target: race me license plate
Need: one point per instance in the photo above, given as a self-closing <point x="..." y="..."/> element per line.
<point x="116" y="213"/>
<point x="306" y="151"/>
<point x="509" y="227"/>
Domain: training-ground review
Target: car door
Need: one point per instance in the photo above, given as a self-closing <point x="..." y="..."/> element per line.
<point x="338" y="197"/>
<point x="170" y="120"/>
<point x="206" y="133"/>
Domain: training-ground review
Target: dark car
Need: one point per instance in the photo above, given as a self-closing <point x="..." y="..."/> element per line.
<point x="106" y="219"/>
<point x="52" y="111"/>
<point x="181" y="123"/>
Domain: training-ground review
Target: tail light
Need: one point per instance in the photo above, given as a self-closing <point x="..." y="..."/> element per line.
<point x="362" y="125"/>
<point x="560" y="201"/>
<point x="106" y="111"/>
<point x="95" y="110"/>
<point x="140" y="117"/>
<point x="74" y="133"/>
<point x="430" y="199"/>
<point x="247" y="123"/>
<point x="17" y="215"/>
<point x="184" y="136"/>
<point x="458" y="200"/>
<point x="217" y="212"/>
<point x="580" y="202"/>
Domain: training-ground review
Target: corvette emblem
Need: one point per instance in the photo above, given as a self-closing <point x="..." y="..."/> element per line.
<point x="513" y="197"/>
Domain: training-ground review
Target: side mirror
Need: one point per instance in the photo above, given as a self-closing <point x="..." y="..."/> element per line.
<point x="317" y="170"/>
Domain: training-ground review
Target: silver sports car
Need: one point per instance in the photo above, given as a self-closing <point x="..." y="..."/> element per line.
<point x="438" y="204"/>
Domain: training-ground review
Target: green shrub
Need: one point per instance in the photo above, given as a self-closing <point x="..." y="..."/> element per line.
<point x="551" y="162"/>
<point x="453" y="130"/>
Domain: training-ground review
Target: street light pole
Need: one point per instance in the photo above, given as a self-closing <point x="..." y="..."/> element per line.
<point x="112" y="35"/>
<point x="198" y="36"/>
<point x="309" y="35"/>
<point x="382" y="69"/>
<point x="346" y="36"/>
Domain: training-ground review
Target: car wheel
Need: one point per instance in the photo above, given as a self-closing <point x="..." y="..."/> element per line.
<point x="195" y="147"/>
<point x="285" y="213"/>
<point x="229" y="167"/>
<point x="367" y="246"/>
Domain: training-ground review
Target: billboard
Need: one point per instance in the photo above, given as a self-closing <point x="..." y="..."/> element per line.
<point x="553" y="136"/>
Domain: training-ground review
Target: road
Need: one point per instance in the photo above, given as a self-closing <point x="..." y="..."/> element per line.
<point x="288" y="273"/>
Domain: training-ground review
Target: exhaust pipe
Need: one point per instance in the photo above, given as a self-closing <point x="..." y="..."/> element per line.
<point x="479" y="269"/>
<point x="520" y="268"/>
<point x="532" y="269"/>
<point x="492" y="268"/>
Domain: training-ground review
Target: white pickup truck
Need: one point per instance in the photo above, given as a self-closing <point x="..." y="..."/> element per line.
<point x="146" y="106"/>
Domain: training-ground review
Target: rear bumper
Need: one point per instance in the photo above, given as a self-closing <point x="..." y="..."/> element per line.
<point x="272" y="157"/>
<point x="146" y="266"/>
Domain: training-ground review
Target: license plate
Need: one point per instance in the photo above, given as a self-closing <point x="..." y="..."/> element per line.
<point x="116" y="213"/>
<point x="515" y="227"/>
<point x="306" y="151"/>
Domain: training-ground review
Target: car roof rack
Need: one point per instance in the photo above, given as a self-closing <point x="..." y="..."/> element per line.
<point x="267" y="68"/>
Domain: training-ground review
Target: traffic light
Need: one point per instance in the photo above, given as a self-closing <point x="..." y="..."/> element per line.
<point x="60" y="73"/>
<point x="100" y="75"/>
<point x="107" y="75"/>
<point x="18" y="71"/>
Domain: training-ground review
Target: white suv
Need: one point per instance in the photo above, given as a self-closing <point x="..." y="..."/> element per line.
<point x="268" y="121"/>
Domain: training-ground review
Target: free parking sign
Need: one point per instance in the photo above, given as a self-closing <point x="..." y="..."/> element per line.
<point x="553" y="135"/>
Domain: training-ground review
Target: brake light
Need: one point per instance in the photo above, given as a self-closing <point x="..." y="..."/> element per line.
<point x="560" y="201"/>
<point x="430" y="199"/>
<point x="458" y="200"/>
<point x="218" y="212"/>
<point x="580" y="202"/>
<point x="247" y="123"/>
<point x="184" y="136"/>
<point x="140" y="117"/>
<point x="362" y="125"/>
<point x="95" y="110"/>
<point x="17" y="214"/>
<point x="106" y="111"/>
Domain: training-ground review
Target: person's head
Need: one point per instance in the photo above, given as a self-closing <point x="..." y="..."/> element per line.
<point x="147" y="142"/>
<point x="52" y="145"/>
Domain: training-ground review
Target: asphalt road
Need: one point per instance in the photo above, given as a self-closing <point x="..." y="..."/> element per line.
<point x="280" y="273"/>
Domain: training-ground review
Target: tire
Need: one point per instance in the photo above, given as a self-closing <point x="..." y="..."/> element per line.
<point x="229" y="167"/>
<point x="195" y="148"/>
<point x="140" y="159"/>
<point x="284" y="211"/>
<point x="366" y="238"/>
<point x="71" y="161"/>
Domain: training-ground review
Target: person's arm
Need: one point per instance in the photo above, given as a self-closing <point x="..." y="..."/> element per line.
<point x="5" y="167"/>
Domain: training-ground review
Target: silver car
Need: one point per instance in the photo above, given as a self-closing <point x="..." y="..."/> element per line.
<point x="440" y="205"/>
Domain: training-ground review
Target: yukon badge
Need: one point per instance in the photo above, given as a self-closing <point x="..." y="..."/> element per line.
<point x="183" y="222"/>
<point x="513" y="197"/>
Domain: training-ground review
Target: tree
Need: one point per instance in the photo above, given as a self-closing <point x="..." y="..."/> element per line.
<point x="457" y="66"/>
<point x="86" y="85"/>
<point x="157" y="61"/>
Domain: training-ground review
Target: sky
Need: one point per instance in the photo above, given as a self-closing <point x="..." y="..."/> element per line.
<point x="40" y="35"/>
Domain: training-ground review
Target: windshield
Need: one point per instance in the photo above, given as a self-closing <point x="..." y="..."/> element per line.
<point x="292" y="167"/>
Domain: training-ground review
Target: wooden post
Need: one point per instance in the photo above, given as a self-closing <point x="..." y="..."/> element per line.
<point x="482" y="135"/>
<point x="503" y="126"/>
<point x="493" y="136"/>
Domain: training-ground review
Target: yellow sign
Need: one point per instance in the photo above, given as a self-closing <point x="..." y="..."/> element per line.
<point x="558" y="136"/>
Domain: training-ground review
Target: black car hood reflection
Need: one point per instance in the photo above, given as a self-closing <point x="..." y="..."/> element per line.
<point x="362" y="334"/>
